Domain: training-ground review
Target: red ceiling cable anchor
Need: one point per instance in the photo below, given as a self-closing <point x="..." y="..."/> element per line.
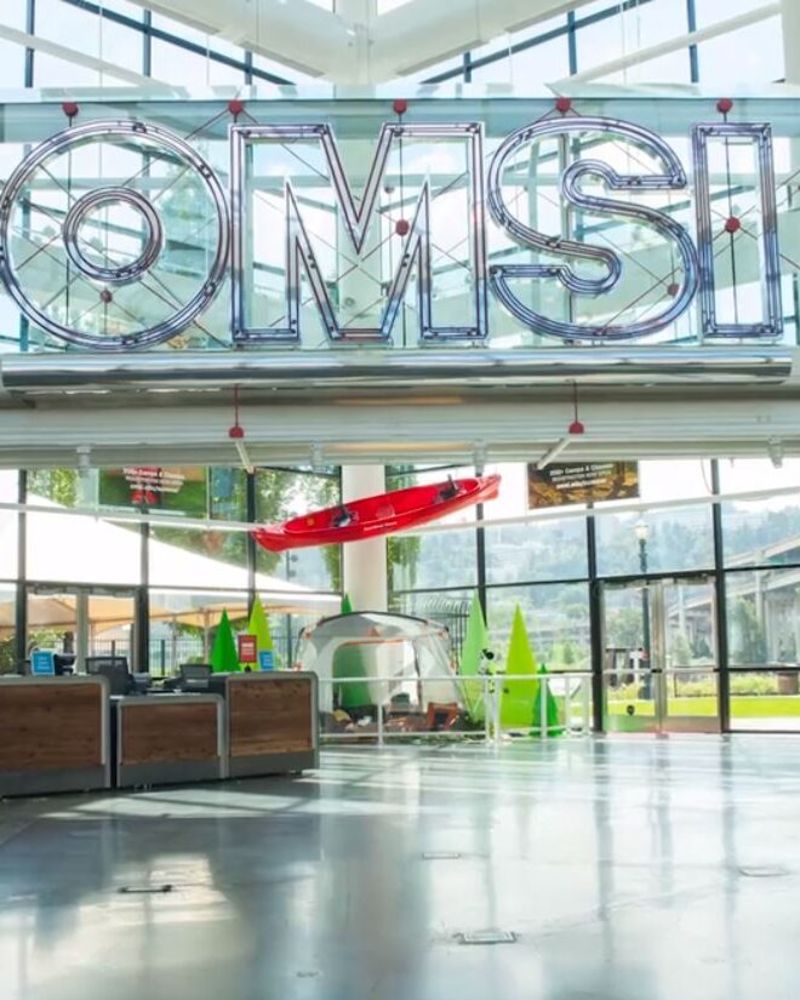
<point x="236" y="432"/>
<point x="70" y="109"/>
<point x="400" y="106"/>
<point x="235" y="107"/>
<point x="563" y="105"/>
<point x="576" y="427"/>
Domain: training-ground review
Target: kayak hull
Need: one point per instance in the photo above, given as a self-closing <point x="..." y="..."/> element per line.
<point x="373" y="516"/>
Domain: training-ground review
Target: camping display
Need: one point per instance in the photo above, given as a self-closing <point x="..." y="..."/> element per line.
<point x="418" y="689"/>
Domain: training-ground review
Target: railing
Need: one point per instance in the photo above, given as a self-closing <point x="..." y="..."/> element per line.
<point x="423" y="708"/>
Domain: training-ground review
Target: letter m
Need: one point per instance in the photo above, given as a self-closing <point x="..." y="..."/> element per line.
<point x="284" y="231"/>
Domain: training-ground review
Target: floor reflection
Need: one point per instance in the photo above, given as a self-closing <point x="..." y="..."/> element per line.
<point x="626" y="867"/>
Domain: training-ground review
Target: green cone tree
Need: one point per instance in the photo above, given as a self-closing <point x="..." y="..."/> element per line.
<point x="476" y="639"/>
<point x="348" y="661"/>
<point x="259" y="627"/>
<point x="224" y="658"/>
<point x="518" y="696"/>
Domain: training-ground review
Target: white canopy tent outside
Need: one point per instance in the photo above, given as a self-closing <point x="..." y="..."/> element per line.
<point x="85" y="551"/>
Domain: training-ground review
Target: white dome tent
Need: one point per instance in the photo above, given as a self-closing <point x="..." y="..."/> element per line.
<point x="406" y="651"/>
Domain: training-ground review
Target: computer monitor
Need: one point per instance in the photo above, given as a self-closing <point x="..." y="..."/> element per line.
<point x="115" y="668"/>
<point x="194" y="675"/>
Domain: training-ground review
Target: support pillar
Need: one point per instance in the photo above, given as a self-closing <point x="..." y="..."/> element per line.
<point x="364" y="567"/>
<point x="82" y="632"/>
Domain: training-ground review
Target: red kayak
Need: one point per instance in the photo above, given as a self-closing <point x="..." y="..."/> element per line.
<point x="381" y="515"/>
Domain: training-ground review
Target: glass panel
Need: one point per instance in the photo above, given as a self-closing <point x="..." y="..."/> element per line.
<point x="450" y="609"/>
<point x="9" y="519"/>
<point x="79" y="623"/>
<point x="285" y="493"/>
<point x="183" y="625"/>
<point x="761" y="532"/>
<point x="8" y="634"/>
<point x="556" y="617"/>
<point x="764" y="618"/>
<point x="12" y="63"/>
<point x="192" y="557"/>
<point x="518" y="553"/>
<point x="77" y="549"/>
<point x="766" y="700"/>
<point x="711" y="11"/>
<point x="660" y="541"/>
<point x="751" y="55"/>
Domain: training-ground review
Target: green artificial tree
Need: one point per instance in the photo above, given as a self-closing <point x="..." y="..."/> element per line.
<point x="224" y="658"/>
<point x="549" y="710"/>
<point x="348" y="661"/>
<point x="476" y="640"/>
<point x="518" y="696"/>
<point x="259" y="627"/>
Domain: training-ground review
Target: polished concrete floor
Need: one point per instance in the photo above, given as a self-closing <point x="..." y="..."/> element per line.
<point x="628" y="868"/>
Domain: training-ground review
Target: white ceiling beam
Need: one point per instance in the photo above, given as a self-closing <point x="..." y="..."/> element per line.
<point x="617" y="426"/>
<point x="422" y="33"/>
<point x="671" y="45"/>
<point x="79" y="58"/>
<point x="353" y="46"/>
<point x="297" y="34"/>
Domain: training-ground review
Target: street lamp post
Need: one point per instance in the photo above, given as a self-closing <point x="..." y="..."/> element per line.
<point x="642" y="534"/>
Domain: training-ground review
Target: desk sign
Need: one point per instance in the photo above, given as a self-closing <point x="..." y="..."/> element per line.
<point x="266" y="660"/>
<point x="248" y="649"/>
<point x="43" y="663"/>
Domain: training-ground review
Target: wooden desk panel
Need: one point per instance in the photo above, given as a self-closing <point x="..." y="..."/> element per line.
<point x="154" y="731"/>
<point x="270" y="717"/>
<point x="54" y="726"/>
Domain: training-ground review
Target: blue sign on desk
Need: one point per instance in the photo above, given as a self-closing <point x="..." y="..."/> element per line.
<point x="266" y="660"/>
<point x="42" y="663"/>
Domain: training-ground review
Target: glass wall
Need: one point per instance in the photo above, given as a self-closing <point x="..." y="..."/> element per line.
<point x="546" y="567"/>
<point x="84" y="577"/>
<point x="762" y="559"/>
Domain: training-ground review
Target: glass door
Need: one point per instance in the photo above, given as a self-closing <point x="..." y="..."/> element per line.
<point x="82" y="621"/>
<point x="660" y="666"/>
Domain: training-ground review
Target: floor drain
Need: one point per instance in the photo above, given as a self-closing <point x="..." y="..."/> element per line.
<point x="145" y="890"/>
<point x="440" y="856"/>
<point x="487" y="937"/>
<point x="763" y="871"/>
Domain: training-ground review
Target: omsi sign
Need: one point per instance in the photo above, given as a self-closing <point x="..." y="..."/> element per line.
<point x="355" y="241"/>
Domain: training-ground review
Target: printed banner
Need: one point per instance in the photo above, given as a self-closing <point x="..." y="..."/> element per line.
<point x="578" y="482"/>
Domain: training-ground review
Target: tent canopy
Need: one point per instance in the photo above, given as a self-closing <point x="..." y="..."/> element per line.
<point x="78" y="550"/>
<point x="412" y="657"/>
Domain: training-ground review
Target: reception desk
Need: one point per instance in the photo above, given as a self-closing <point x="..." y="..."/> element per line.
<point x="54" y="734"/>
<point x="272" y="725"/>
<point x="168" y="739"/>
<point x="61" y="734"/>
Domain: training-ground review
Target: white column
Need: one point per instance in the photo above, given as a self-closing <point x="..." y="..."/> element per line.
<point x="364" y="572"/>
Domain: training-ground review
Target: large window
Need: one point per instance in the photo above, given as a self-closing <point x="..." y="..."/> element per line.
<point x="69" y="549"/>
<point x="282" y="494"/>
<point x="661" y="541"/>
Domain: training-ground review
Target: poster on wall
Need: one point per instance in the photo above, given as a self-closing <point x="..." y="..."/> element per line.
<point x="564" y="483"/>
<point x="183" y="490"/>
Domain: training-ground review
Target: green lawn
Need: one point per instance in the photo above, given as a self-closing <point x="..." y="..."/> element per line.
<point x="761" y="706"/>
